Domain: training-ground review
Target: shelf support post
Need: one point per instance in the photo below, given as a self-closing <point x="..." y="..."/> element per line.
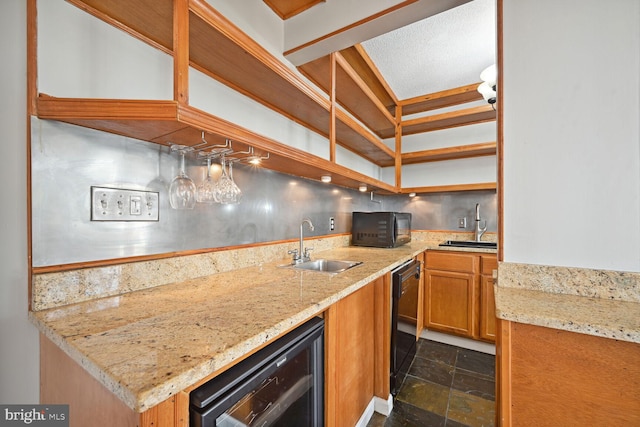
<point x="181" y="51"/>
<point x="398" y="158"/>
<point x="332" y="107"/>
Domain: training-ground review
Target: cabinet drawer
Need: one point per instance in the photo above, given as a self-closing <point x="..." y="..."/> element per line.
<point x="440" y="260"/>
<point x="488" y="264"/>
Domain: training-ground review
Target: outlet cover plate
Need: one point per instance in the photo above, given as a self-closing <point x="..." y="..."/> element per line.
<point x="119" y="204"/>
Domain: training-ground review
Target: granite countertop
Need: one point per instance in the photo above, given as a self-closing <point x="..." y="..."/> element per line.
<point x="594" y="302"/>
<point x="147" y="345"/>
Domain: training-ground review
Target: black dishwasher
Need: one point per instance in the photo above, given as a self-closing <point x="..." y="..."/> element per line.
<point x="281" y="385"/>
<point x="406" y="281"/>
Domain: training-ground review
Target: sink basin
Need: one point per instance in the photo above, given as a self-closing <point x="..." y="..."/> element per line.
<point x="325" y="265"/>
<point x="469" y="244"/>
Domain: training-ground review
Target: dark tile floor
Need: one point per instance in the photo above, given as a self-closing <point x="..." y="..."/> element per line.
<point x="446" y="386"/>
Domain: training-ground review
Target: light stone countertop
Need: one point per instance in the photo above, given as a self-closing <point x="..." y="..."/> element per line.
<point x="594" y="302"/>
<point x="147" y="345"/>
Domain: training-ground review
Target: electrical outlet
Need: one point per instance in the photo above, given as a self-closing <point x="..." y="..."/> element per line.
<point x="462" y="222"/>
<point x="117" y="204"/>
<point x="332" y="223"/>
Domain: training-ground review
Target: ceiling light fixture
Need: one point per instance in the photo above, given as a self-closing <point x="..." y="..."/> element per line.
<point x="325" y="178"/>
<point x="487" y="88"/>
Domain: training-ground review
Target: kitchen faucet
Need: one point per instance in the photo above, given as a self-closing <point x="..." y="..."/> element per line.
<point x="302" y="254"/>
<point x="479" y="231"/>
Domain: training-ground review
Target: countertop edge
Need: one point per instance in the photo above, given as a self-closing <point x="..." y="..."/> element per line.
<point x="570" y="313"/>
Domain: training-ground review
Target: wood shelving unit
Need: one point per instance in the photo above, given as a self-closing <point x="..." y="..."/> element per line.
<point x="357" y="112"/>
<point x="364" y="93"/>
<point x="219" y="49"/>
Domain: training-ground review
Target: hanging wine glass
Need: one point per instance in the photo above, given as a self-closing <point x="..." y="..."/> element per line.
<point x="224" y="192"/>
<point x="237" y="193"/>
<point x="182" y="191"/>
<point x="207" y="187"/>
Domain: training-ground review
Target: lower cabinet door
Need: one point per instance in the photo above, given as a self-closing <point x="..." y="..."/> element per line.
<point x="487" y="310"/>
<point x="451" y="302"/>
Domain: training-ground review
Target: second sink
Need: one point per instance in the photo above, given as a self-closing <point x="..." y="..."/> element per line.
<point x="326" y="265"/>
<point x="469" y="244"/>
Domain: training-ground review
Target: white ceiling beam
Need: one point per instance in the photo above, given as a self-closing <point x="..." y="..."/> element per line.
<point x="327" y="27"/>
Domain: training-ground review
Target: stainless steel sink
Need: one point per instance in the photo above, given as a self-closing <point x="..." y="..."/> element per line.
<point x="469" y="244"/>
<point x="325" y="265"/>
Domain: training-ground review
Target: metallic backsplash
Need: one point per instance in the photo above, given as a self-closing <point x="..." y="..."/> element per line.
<point x="67" y="160"/>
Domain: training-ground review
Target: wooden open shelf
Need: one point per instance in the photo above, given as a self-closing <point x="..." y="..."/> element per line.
<point x="465" y="117"/>
<point x="450" y="188"/>
<point x="168" y="122"/>
<point x="450" y="153"/>
<point x="443" y="99"/>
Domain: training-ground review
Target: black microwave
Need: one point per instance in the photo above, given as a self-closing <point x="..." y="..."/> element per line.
<point x="380" y="229"/>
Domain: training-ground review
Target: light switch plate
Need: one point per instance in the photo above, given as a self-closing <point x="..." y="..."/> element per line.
<point x="462" y="222"/>
<point x="119" y="204"/>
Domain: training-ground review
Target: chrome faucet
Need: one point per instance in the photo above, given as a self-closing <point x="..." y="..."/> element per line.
<point x="302" y="254"/>
<point x="479" y="231"/>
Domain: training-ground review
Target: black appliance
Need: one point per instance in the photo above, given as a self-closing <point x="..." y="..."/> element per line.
<point x="380" y="229"/>
<point x="280" y="385"/>
<point x="405" y="282"/>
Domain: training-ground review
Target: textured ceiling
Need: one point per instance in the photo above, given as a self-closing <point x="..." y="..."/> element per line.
<point x="447" y="50"/>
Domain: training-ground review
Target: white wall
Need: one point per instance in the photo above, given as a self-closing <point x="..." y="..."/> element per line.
<point x="19" y="349"/>
<point x="448" y="172"/>
<point x="572" y="133"/>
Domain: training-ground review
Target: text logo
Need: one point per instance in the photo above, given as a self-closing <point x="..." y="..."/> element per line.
<point x="34" y="415"/>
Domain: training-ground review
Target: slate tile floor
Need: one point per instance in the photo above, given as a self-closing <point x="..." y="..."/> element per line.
<point x="446" y="386"/>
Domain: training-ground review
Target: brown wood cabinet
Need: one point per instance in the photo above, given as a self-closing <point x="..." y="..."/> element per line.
<point x="458" y="298"/>
<point x="550" y="377"/>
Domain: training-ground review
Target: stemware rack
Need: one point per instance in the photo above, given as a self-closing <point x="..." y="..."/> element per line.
<point x="225" y="152"/>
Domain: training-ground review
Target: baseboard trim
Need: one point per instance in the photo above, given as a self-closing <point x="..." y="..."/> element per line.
<point x="366" y="415"/>
<point x="377" y="404"/>
<point x="382" y="406"/>
<point x="467" y="343"/>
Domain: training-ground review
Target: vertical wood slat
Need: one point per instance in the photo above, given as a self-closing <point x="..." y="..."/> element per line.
<point x="503" y="373"/>
<point x="330" y="356"/>
<point x="398" y="157"/>
<point x="181" y="51"/>
<point x="32" y="110"/>
<point x="332" y="107"/>
<point x="500" y="131"/>
<point x="421" y="293"/>
<point x="382" y="336"/>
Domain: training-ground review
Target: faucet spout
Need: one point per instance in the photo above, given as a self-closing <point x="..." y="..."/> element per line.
<point x="479" y="231"/>
<point x="303" y="253"/>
